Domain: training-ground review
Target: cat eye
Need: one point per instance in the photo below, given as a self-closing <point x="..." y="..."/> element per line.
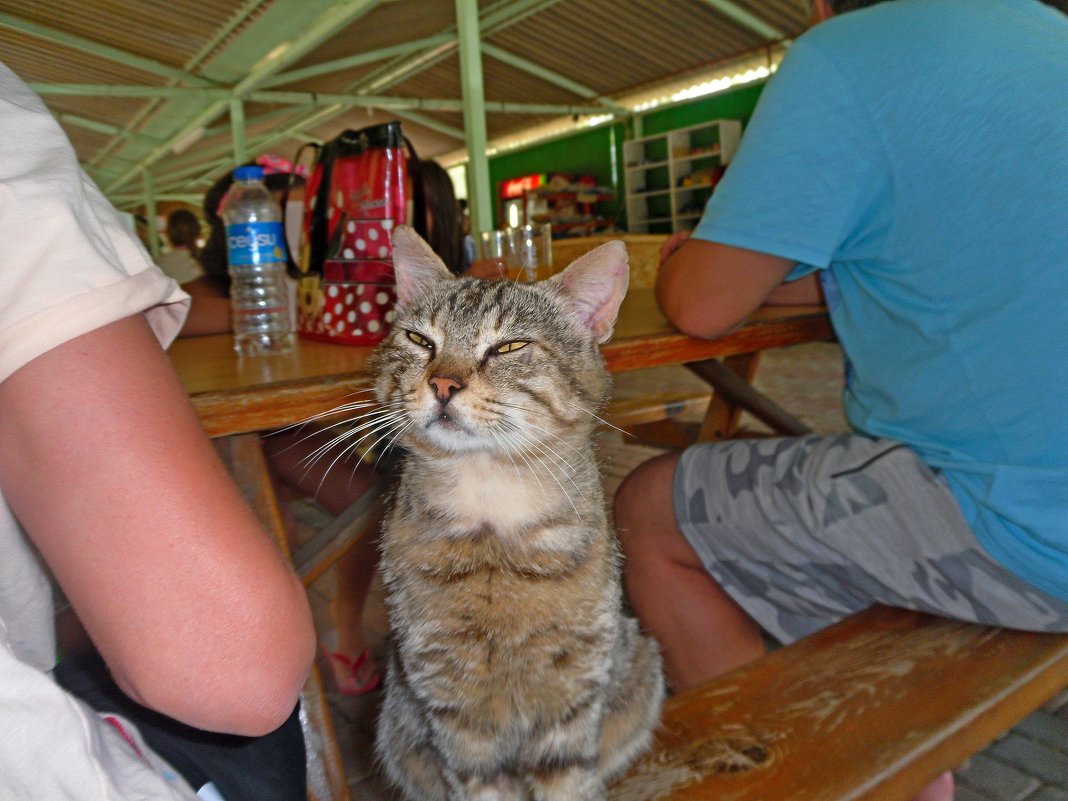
<point x="508" y="347"/>
<point x="420" y="340"/>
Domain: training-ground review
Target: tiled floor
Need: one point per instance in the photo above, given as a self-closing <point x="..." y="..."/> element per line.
<point x="1029" y="764"/>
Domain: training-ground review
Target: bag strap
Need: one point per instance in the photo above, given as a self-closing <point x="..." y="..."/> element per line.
<point x="415" y="172"/>
<point x="351" y="143"/>
<point x="318" y="226"/>
<point x="292" y="267"/>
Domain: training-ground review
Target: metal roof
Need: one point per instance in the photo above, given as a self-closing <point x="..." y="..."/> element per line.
<point x="149" y="91"/>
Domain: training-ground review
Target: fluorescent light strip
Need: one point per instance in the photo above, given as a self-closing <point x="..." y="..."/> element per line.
<point x="753" y="68"/>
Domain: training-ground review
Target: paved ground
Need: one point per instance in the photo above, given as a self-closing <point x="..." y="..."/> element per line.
<point x="1030" y="763"/>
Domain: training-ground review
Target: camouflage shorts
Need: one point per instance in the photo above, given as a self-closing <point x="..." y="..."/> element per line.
<point x="802" y="532"/>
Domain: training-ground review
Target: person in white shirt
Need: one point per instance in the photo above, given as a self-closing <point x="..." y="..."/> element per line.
<point x="109" y="486"/>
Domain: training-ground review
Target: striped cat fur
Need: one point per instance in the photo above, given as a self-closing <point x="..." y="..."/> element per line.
<point x="514" y="671"/>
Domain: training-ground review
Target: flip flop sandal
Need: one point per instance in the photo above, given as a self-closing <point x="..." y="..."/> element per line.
<point x="351" y="666"/>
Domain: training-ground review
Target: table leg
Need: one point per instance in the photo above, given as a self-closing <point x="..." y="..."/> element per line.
<point x="733" y="393"/>
<point x="244" y="457"/>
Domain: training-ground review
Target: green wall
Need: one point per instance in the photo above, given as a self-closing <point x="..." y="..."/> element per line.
<point x="591" y="152"/>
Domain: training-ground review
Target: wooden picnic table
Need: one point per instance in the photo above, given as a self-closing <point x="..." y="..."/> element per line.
<point x="238" y="396"/>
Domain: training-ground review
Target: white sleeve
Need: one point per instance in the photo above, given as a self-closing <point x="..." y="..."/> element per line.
<point x="69" y="264"/>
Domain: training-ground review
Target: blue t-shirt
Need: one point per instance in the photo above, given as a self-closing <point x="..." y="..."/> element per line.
<point x="916" y="153"/>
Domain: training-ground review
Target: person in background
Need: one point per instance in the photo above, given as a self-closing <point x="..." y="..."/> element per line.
<point x="182" y="261"/>
<point x="199" y="636"/>
<point x="470" y="249"/>
<point x="445" y="233"/>
<point x="909" y="155"/>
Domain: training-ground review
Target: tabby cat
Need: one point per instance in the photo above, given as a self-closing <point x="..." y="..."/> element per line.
<point x="513" y="668"/>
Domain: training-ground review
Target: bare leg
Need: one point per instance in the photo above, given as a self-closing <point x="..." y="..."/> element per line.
<point x="355" y="571"/>
<point x="336" y="483"/>
<point x="941" y="789"/>
<point x="702" y="631"/>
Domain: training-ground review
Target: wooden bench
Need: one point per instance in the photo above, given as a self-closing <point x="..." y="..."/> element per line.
<point x="873" y="708"/>
<point x="665" y="405"/>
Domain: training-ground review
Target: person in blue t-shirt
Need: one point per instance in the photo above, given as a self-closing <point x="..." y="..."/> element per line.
<point x="910" y="158"/>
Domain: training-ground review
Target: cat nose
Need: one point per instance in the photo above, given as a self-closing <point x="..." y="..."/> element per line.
<point x="445" y="387"/>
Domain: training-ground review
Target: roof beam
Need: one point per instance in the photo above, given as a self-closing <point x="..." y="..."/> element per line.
<point x="260" y="119"/>
<point x="104" y="51"/>
<point x="745" y="19"/>
<point x="137" y="200"/>
<point x="104" y="128"/>
<point x="549" y="76"/>
<point x="419" y="103"/>
<point x="360" y="59"/>
<point x="469" y="40"/>
<point x="238" y="18"/>
<point x="119" y="90"/>
<point x="309" y="98"/>
<point x="495" y="18"/>
<point x="323" y="27"/>
<point x="431" y="123"/>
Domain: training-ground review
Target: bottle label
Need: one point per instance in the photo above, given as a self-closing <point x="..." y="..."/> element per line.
<point x="255" y="243"/>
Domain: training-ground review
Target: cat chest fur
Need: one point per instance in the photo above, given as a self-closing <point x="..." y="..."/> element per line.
<point x="506" y="636"/>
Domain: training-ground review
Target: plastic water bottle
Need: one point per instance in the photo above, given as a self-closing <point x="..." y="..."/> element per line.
<point x="259" y="297"/>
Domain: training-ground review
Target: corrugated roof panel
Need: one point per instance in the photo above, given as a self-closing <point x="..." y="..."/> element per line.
<point x="611" y="47"/>
<point x="390" y="23"/>
<point x="168" y="32"/>
<point x="789" y="16"/>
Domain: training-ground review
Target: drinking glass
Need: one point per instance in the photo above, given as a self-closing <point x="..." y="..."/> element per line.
<point x="497" y="247"/>
<point x="531" y="249"/>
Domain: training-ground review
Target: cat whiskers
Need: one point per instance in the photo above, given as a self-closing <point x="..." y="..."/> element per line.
<point x="515" y="438"/>
<point x="598" y="418"/>
<point x="540" y="413"/>
<point x="345" y="407"/>
<point x="505" y="445"/>
<point x="387" y="419"/>
<point x="548" y="455"/>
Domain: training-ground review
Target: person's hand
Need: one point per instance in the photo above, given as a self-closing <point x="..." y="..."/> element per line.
<point x="672" y="243"/>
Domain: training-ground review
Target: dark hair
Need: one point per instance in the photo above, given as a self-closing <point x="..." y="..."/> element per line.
<point x="213" y="258"/>
<point x="445" y="235"/>
<point x="183" y="230"/>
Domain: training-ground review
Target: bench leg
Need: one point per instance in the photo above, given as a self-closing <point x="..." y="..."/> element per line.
<point x="733" y="393"/>
<point x="244" y="458"/>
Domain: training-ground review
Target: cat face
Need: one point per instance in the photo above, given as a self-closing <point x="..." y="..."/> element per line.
<point x="496" y="366"/>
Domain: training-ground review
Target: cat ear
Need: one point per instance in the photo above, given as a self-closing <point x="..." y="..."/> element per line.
<point x="594" y="285"/>
<point x="417" y="266"/>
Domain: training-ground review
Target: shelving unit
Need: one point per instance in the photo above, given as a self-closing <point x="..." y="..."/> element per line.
<point x="570" y="212"/>
<point x="669" y="176"/>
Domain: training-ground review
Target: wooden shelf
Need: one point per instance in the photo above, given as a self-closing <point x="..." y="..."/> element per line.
<point x="680" y="153"/>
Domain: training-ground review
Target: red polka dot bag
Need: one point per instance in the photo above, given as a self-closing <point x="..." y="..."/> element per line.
<point x="363" y="184"/>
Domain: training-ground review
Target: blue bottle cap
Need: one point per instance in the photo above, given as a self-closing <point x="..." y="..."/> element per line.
<point x="251" y="173"/>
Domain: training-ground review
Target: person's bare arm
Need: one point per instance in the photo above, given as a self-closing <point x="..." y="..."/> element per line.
<point x="209" y="312"/>
<point x="804" y="291"/>
<point x="707" y="288"/>
<point x="105" y="465"/>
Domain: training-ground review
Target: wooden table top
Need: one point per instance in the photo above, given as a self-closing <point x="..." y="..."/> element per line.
<point x="234" y="396"/>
